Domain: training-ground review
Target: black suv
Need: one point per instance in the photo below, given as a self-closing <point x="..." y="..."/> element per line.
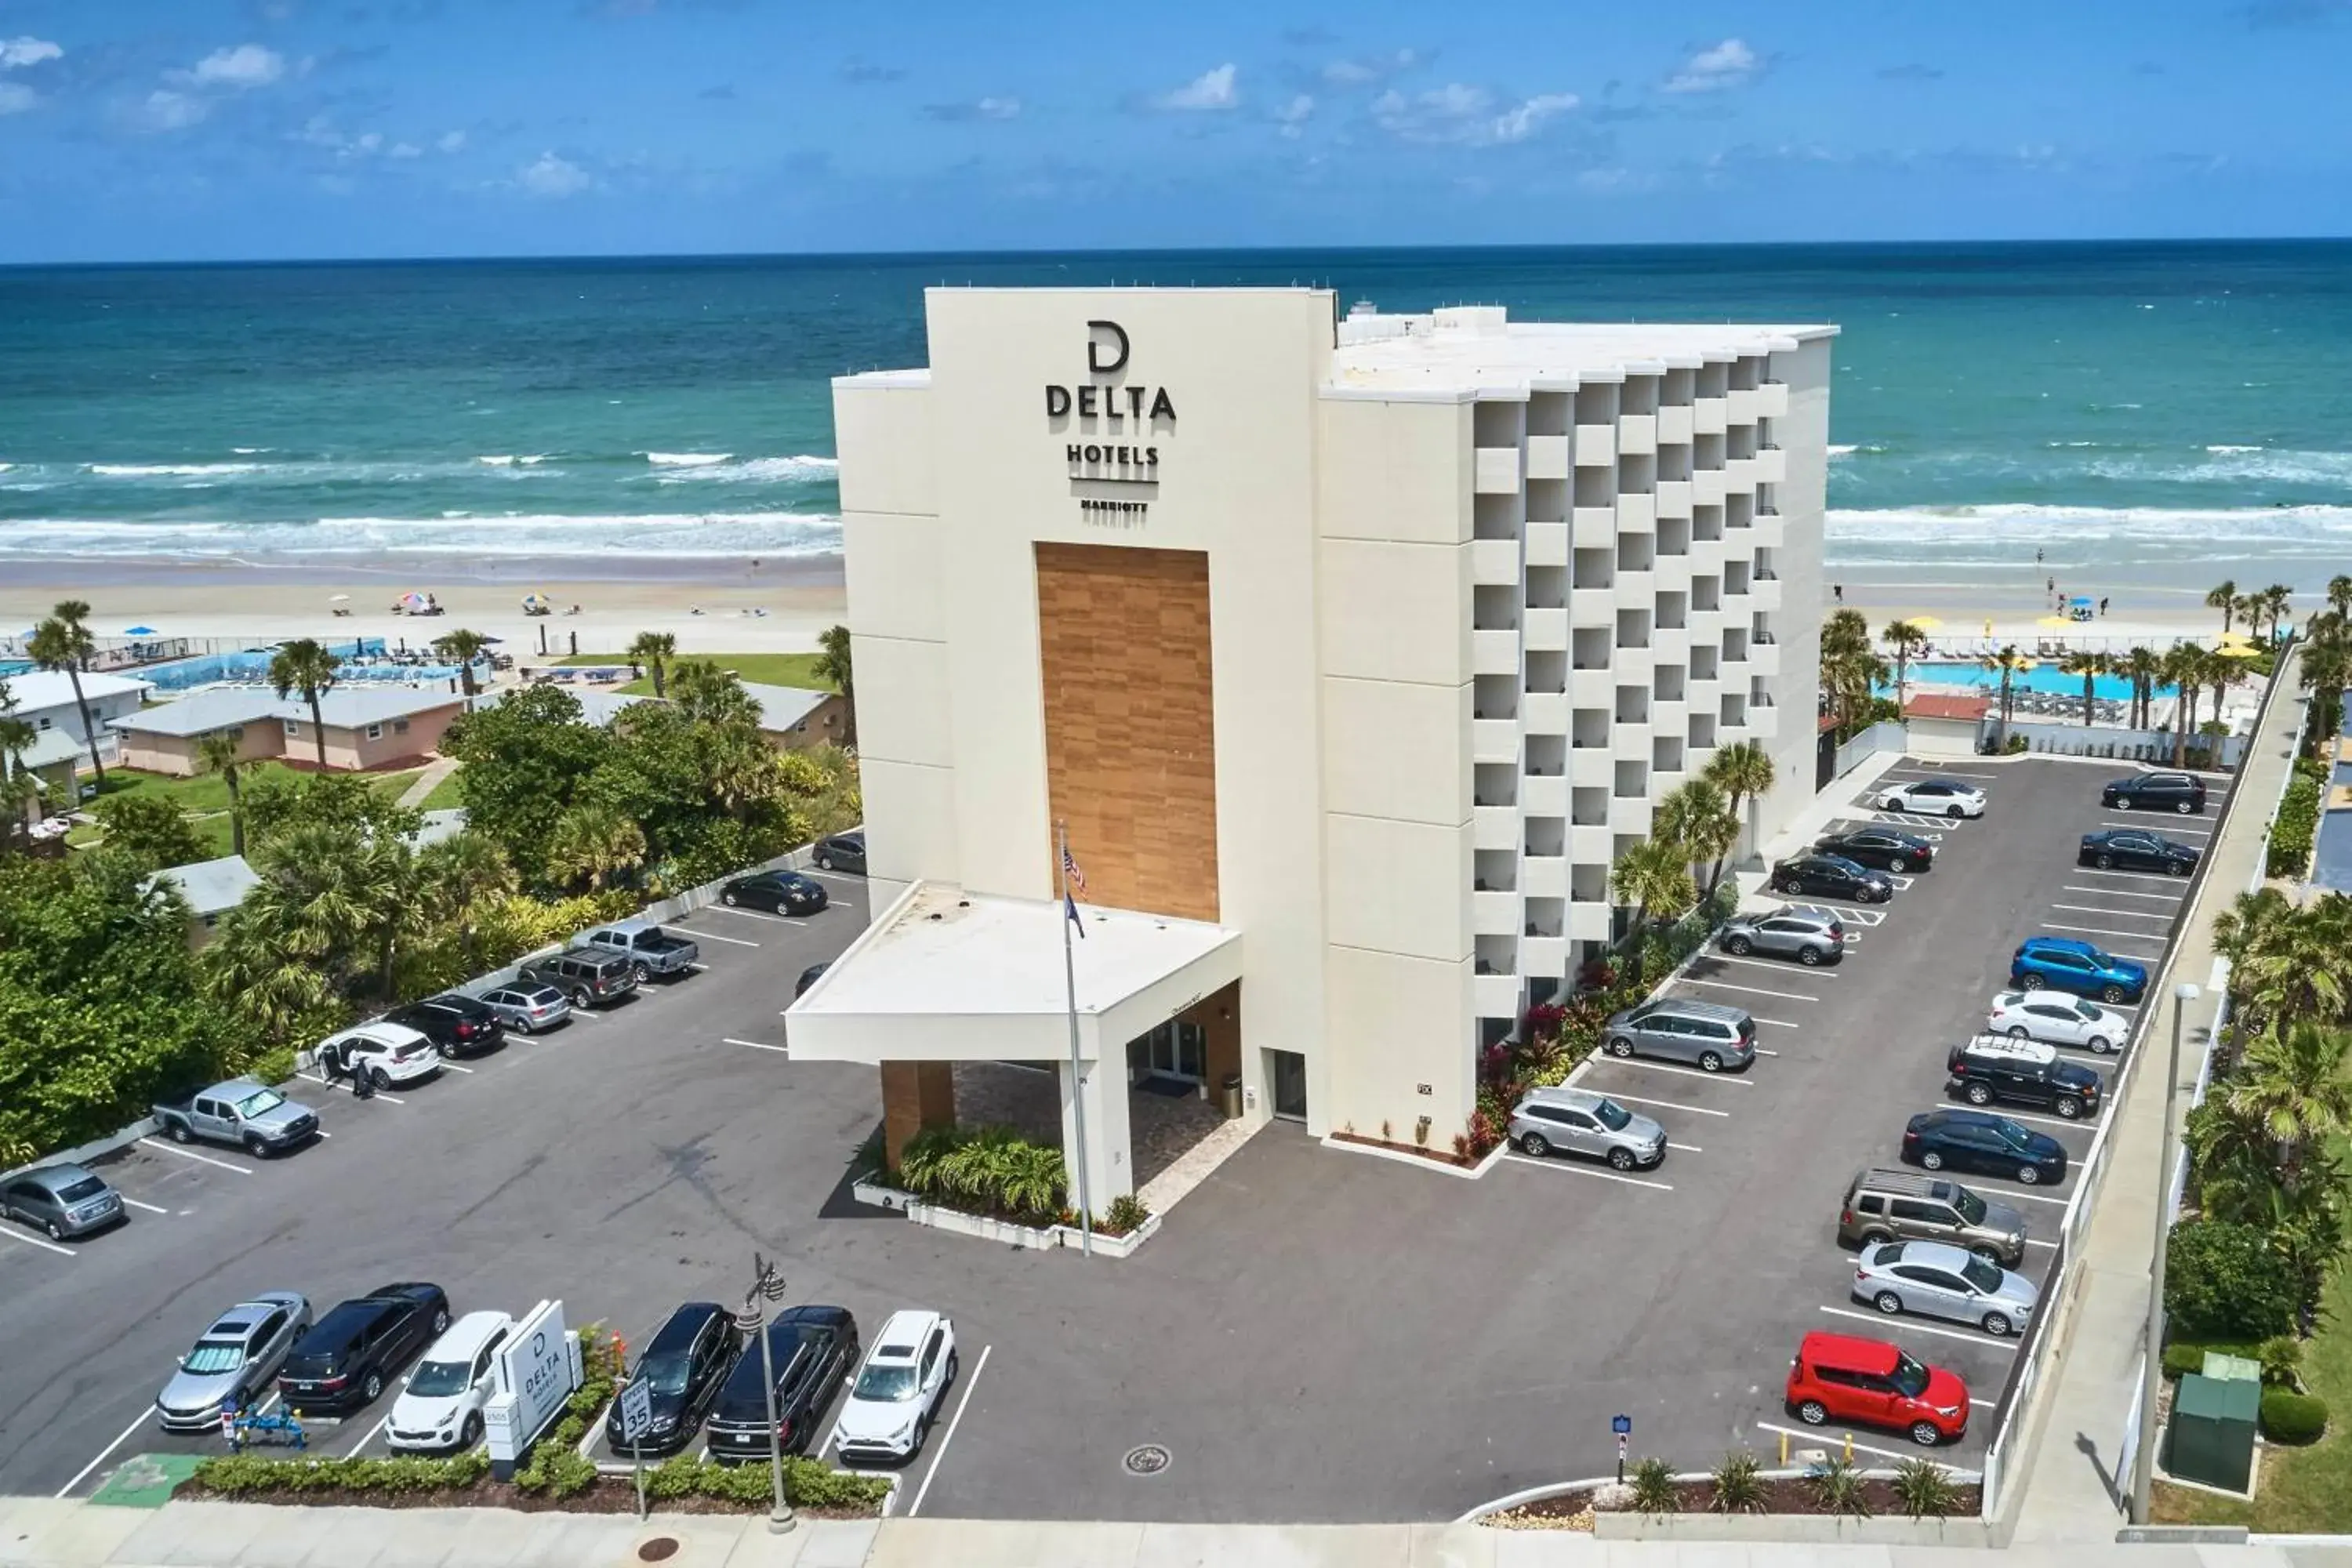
<point x="684" y="1363"/>
<point x="813" y="1350"/>
<point x="347" y="1356"/>
<point x="1831" y="877"/>
<point x="1881" y="847"/>
<point x="585" y="974"/>
<point x="457" y="1024"/>
<point x="2182" y="793"/>
<point x="1998" y="1066"/>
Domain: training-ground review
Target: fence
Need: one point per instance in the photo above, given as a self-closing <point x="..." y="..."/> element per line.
<point x="2154" y="746"/>
<point x="2044" y="1339"/>
<point x="1886" y="736"/>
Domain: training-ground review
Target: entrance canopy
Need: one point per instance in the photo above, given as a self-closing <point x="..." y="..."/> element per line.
<point x="948" y="975"/>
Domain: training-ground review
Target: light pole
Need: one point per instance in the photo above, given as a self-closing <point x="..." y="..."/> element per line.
<point x="767" y="1285"/>
<point x="2152" y="1373"/>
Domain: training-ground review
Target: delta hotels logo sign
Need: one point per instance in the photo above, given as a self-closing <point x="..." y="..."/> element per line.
<point x="1118" y="424"/>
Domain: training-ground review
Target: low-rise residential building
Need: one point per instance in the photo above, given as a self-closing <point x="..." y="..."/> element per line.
<point x="211" y="889"/>
<point x="794" y="718"/>
<point x="45" y="700"/>
<point x="1945" y="724"/>
<point x="366" y="727"/>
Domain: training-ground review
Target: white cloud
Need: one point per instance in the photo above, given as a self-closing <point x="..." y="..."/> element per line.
<point x="1468" y="114"/>
<point x="553" y="176"/>
<point x="27" y="51"/>
<point x="405" y="150"/>
<point x="1293" y="116"/>
<point x="243" y="66"/>
<point x="981" y="109"/>
<point x="1378" y="68"/>
<point x="1211" y="90"/>
<point x="15" y="98"/>
<point x="451" y="142"/>
<point x="166" y="110"/>
<point x="1730" y="63"/>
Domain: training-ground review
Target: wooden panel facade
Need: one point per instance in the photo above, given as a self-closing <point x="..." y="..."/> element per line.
<point x="1131" y="749"/>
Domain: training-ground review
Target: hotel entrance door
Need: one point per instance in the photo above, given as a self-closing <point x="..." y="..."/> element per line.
<point x="1175" y="1050"/>
<point x="1289" y="1079"/>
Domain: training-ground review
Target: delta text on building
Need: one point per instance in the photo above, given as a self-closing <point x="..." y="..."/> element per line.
<point x="1350" y="652"/>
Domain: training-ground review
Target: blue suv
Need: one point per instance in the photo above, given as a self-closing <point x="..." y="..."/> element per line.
<point x="2063" y="964"/>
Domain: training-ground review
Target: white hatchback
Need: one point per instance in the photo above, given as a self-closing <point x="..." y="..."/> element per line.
<point x="2057" y="1020"/>
<point x="1933" y="798"/>
<point x="387" y="1053"/>
<point x="440" y="1405"/>
<point x="900" y="1390"/>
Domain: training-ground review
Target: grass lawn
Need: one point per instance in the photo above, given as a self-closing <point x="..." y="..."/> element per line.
<point x="205" y="799"/>
<point x="443" y="796"/>
<point x="767" y="668"/>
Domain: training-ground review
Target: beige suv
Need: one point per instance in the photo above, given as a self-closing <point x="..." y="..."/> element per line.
<point x="1904" y="1205"/>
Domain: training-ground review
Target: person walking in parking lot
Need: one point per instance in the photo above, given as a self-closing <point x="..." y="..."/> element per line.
<point x="363" y="1086"/>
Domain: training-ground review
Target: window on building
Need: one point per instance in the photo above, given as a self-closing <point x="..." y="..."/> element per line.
<point x="375" y="731"/>
<point x="400" y="726"/>
<point x="293" y="727"/>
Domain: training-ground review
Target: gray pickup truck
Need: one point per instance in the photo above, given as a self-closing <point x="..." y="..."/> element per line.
<point x="250" y="1115"/>
<point x="650" y="949"/>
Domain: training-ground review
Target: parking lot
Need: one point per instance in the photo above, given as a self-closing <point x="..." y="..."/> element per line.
<point x="1313" y="1335"/>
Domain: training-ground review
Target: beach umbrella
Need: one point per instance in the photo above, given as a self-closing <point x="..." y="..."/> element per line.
<point x="413" y="601"/>
<point x="2239" y="650"/>
<point x="535" y="601"/>
<point x="1924" y="623"/>
<point x="2059" y="621"/>
<point x="139" y="631"/>
<point x="2235" y="637"/>
<point x="339" y="598"/>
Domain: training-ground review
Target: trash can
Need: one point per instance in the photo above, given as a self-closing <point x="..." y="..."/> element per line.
<point x="1232" y="1087"/>
<point x="2211" y="1434"/>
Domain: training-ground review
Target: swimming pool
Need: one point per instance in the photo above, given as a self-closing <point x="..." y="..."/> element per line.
<point x="2046" y="676"/>
<point x="207" y="669"/>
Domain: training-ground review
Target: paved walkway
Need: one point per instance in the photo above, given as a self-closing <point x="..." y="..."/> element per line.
<point x="425" y="784"/>
<point x="2073" y="1492"/>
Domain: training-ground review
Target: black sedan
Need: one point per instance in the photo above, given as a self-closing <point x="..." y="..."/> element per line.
<point x="1980" y="1141"/>
<point x="685" y="1365"/>
<point x="842" y="852"/>
<point x="1881" y="847"/>
<point x="812" y="1350"/>
<point x="1831" y="877"/>
<point x="458" y="1026"/>
<point x="2183" y="794"/>
<point x="779" y="892"/>
<point x="2129" y="849"/>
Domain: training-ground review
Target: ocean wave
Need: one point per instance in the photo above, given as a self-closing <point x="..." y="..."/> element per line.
<point x="169" y="470"/>
<point x="686" y="459"/>
<point x="508" y="460"/>
<point x="2086" y="536"/>
<point x="800" y="468"/>
<point x="2231" y="451"/>
<point x="538" y="535"/>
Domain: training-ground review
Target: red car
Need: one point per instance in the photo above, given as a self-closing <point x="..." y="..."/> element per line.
<point x="1837" y="1377"/>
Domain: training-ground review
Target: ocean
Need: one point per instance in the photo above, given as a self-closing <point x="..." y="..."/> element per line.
<point x="2159" y="403"/>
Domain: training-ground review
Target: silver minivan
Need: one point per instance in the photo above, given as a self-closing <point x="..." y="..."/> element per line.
<point x="1576" y="1122"/>
<point x="1707" y="1035"/>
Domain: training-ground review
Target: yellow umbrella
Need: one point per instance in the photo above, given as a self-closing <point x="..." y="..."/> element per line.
<point x="2239" y="650"/>
<point x="1924" y="623"/>
<point x="2059" y="621"/>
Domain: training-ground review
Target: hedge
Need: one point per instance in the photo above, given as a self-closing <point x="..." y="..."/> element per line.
<point x="2293" y="830"/>
<point x="807" y="1483"/>
<point x="2289" y="1418"/>
<point x="2224" y="1281"/>
<point x="232" y="1474"/>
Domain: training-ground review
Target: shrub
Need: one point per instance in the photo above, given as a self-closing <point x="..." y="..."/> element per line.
<point x="2225" y="1281"/>
<point x="1653" y="1488"/>
<point x="1838" y="1487"/>
<point x="2182" y="1360"/>
<point x="991" y="1169"/>
<point x="1127" y="1213"/>
<point x="1739" y="1484"/>
<point x="272" y="1066"/>
<point x="807" y="1483"/>
<point x="2289" y="1418"/>
<point x="235" y="1474"/>
<point x="1924" y="1488"/>
<point x="2292" y="829"/>
<point x="2282" y="1359"/>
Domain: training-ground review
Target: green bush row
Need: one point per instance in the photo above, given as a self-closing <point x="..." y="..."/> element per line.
<point x="807" y="1483"/>
<point x="555" y="1465"/>
<point x="2291" y="1418"/>
<point x="234" y="1474"/>
<point x="2292" y="832"/>
<point x="991" y="1169"/>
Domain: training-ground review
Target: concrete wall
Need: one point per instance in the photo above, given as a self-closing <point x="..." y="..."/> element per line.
<point x="1803" y="435"/>
<point x="176" y="754"/>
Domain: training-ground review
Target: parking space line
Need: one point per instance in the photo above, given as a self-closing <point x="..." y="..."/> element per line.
<point x="13" y="1234"/>
<point x="2118" y="914"/>
<point x="755" y="1045"/>
<point x="2167" y="831"/>
<point x="845" y="881"/>
<point x="2110" y="930"/>
<point x="2133" y="876"/>
<point x="1568" y="1170"/>
<point x="2032" y="1241"/>
<point x="384" y="1095"/>
<point x="1781" y="968"/>
<point x="1685" y="1148"/>
<point x="2007" y="1343"/>
<point x="1680" y="1072"/>
<point x="382" y="1422"/>
<point x="582" y="1013"/>
<point x="1924" y="771"/>
<point x="1831" y="1436"/>
<point x="453" y="1067"/>
<point x="192" y="1154"/>
<point x="136" y="1422"/>
<point x="2121" y="893"/>
<point x="940" y="1455"/>
<point x="2035" y="1197"/>
<point x="1668" y="1104"/>
<point x="1766" y="1051"/>
<point x="2086" y="1123"/>
<point x="1776" y="1024"/>
<point x="134" y="1202"/>
<point x="1749" y="989"/>
<point x="748" y="914"/>
<point x="709" y="936"/>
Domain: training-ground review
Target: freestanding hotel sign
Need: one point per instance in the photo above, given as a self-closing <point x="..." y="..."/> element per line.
<point x="1125" y="421"/>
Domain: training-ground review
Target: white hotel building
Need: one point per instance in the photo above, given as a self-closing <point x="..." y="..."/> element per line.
<point x="1352" y="651"/>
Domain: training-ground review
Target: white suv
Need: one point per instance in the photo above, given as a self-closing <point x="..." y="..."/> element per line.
<point x="440" y="1405"/>
<point x="2057" y="1020"/>
<point x="900" y="1390"/>
<point x="387" y="1053"/>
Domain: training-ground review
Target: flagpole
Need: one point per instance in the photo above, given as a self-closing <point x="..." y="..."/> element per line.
<point x="1077" y="1073"/>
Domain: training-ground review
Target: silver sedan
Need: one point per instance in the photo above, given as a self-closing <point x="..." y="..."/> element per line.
<point x="1936" y="1279"/>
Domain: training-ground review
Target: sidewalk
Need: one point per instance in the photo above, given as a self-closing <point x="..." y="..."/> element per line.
<point x="2073" y="1492"/>
<point x="423" y="786"/>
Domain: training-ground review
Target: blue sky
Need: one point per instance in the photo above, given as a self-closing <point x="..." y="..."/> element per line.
<point x="229" y="129"/>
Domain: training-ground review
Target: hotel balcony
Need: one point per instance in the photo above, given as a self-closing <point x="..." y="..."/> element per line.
<point x="1544" y="794"/>
<point x="1494" y="561"/>
<point x="1739" y="408"/>
<point x="1630" y="813"/>
<point x="1495" y="741"/>
<point x="1670" y="645"/>
<point x="1544" y="876"/>
<point x="1673" y="573"/>
<point x="1494" y="653"/>
<point x="1588" y="920"/>
<point x="1771" y="466"/>
<point x="1630" y="743"/>
<point x="1636" y="590"/>
<point x="1703" y="626"/>
<point x="1669" y="715"/>
<point x="1498" y="470"/>
<point x="1739" y="476"/>
<point x="1592" y="688"/>
<point x="1543" y="713"/>
<point x="1772" y="400"/>
<point x="1496" y="995"/>
<point x="1675" y="424"/>
<point x="1766" y="531"/>
<point x="1596" y="445"/>
<point x="1495" y="828"/>
<point x="1763" y="718"/>
<point x="1547" y="545"/>
<point x="1707" y="486"/>
<point x="1765" y="593"/>
<point x="1544" y="957"/>
<point x="1591" y="766"/>
<point x="1593" y="607"/>
<point x="1548" y="631"/>
<point x="1595" y="527"/>
<point x="1763" y="658"/>
<point x="1703" y="694"/>
<point x="1637" y="512"/>
<point x="1494" y="914"/>
<point x="1633" y="666"/>
<point x="1547" y="456"/>
<point x="1707" y="416"/>
<point x="1674" y="498"/>
<point x="1637" y="434"/>
<point x="1589" y="844"/>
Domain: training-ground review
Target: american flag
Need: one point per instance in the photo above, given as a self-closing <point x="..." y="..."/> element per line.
<point x="1070" y="872"/>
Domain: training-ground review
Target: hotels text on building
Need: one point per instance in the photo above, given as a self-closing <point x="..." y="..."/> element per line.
<point x="1134" y="413"/>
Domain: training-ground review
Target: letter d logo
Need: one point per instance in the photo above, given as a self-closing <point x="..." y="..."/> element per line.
<point x="1105" y="356"/>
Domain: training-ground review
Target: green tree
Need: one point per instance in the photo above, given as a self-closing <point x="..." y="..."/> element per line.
<point x="64" y="641"/>
<point x="1654" y="878"/>
<point x="220" y="752"/>
<point x="2090" y="667"/>
<point x="151" y="826"/>
<point x="527" y="758"/>
<point x="1908" y="640"/>
<point x="462" y="647"/>
<point x="2184" y="668"/>
<point x="1745" y="773"/>
<point x="1697" y="815"/>
<point x="2224" y="1281"/>
<point x="457" y="879"/>
<point x="2142" y="666"/>
<point x="2223" y="596"/>
<point x="2292" y="1085"/>
<point x="303" y="666"/>
<point x="833" y="664"/>
<point x="2339" y="594"/>
<point x="323" y="928"/>
<point x="595" y="846"/>
<point x="2275" y="601"/>
<point x="19" y="787"/>
<point x="707" y="694"/>
<point x="654" y="650"/>
<point x="2009" y="664"/>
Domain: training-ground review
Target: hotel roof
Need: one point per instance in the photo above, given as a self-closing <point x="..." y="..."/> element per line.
<point x="35" y="691"/>
<point x="781" y="707"/>
<point x="211" y="887"/>
<point x="345" y="707"/>
<point x="1470" y="349"/>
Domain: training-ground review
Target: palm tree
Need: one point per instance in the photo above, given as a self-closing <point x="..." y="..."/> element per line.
<point x="2090" y="667"/>
<point x="2221" y="674"/>
<point x="2292" y="1083"/>
<point x="651" y="649"/>
<point x="221" y="753"/>
<point x="460" y="873"/>
<point x="1745" y="773"/>
<point x="1697" y="815"/>
<point x="303" y="666"/>
<point x="17" y="784"/>
<point x="2184" y="669"/>
<point x="709" y="695"/>
<point x="63" y="642"/>
<point x="2224" y="598"/>
<point x="2142" y="665"/>
<point x="2275" y="600"/>
<point x="594" y="843"/>
<point x="1907" y="638"/>
<point x="2326" y="670"/>
<point x="832" y="664"/>
<point x="1655" y="877"/>
<point x="2339" y="596"/>
<point x="2009" y="664"/>
<point x="461" y="647"/>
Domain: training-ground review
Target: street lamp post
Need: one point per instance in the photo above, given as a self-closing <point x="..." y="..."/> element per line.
<point x="768" y="1285"/>
<point x="2152" y="1371"/>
